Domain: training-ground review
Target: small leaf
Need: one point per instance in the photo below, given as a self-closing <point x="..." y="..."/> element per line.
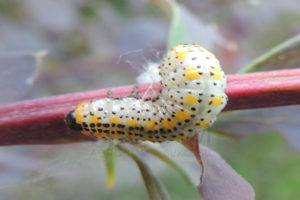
<point x="155" y="188"/>
<point x="282" y="56"/>
<point x="220" y="181"/>
<point x="238" y="124"/>
<point x="110" y="162"/>
<point x="177" y="31"/>
<point x="159" y="154"/>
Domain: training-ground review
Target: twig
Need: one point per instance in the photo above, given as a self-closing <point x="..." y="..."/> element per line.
<point x="41" y="121"/>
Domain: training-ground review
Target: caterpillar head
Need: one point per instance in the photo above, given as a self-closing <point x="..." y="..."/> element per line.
<point x="71" y="121"/>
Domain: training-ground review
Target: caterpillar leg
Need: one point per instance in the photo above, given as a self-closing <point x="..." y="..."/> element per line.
<point x="135" y="92"/>
<point x="151" y="92"/>
<point x="109" y="94"/>
<point x="147" y="91"/>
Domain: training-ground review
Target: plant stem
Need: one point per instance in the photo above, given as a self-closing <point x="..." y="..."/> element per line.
<point x="41" y="121"/>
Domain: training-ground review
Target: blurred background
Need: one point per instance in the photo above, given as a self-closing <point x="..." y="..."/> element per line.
<point x="94" y="44"/>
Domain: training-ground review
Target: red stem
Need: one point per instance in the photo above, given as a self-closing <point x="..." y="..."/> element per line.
<point x="41" y="121"/>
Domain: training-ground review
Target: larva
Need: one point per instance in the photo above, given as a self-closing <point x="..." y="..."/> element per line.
<point x="192" y="95"/>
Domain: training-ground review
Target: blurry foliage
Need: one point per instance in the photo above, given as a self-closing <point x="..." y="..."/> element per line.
<point x="120" y="6"/>
<point x="88" y="11"/>
<point x="235" y="124"/>
<point x="267" y="163"/>
<point x="287" y="22"/>
<point x="11" y="9"/>
<point x="283" y="56"/>
<point x="155" y="188"/>
<point x="18" y="73"/>
<point x="75" y="44"/>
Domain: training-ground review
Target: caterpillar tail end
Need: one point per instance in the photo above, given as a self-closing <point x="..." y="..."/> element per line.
<point x="71" y="121"/>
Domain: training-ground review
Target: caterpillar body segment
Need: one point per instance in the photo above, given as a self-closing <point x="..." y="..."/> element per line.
<point x="192" y="95"/>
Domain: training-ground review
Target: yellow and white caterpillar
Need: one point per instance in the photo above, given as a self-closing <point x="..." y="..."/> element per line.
<point x="192" y="95"/>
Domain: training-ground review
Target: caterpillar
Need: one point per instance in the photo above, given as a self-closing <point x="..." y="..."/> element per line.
<point x="192" y="95"/>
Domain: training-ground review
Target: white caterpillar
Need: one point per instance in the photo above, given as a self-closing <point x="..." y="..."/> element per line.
<point x="192" y="95"/>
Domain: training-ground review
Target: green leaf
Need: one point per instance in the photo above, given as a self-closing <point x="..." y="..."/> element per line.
<point x="110" y="162"/>
<point x="171" y="9"/>
<point x="159" y="154"/>
<point x="282" y="56"/>
<point x="155" y="188"/>
<point x="177" y="31"/>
